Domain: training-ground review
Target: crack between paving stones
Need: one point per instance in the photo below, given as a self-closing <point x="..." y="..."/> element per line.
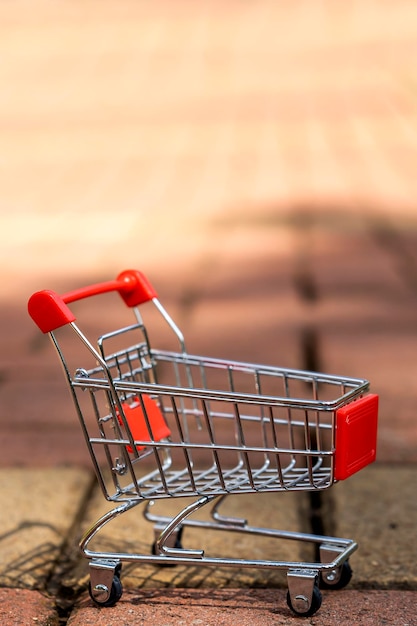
<point x="389" y="238"/>
<point x="317" y="508"/>
<point x="318" y="511"/>
<point x="69" y="557"/>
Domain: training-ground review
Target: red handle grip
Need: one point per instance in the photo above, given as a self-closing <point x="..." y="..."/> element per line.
<point x="50" y="311"/>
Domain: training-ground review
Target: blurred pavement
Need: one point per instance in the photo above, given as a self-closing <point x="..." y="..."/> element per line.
<point x="258" y="161"/>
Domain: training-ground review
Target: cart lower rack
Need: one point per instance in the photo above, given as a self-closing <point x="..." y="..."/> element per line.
<point x="166" y="424"/>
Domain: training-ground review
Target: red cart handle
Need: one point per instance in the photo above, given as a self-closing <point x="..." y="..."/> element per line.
<point x="50" y="311"/>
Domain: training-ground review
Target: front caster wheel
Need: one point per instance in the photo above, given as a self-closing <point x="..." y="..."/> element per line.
<point x="297" y="606"/>
<point x="336" y="578"/>
<point x="102" y="597"/>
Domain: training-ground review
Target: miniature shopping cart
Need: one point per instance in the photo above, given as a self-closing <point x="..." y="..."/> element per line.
<point x="167" y="424"/>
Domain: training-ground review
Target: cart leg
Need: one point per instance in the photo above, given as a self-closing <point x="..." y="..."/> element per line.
<point x="173" y="541"/>
<point x="225" y="519"/>
<point x="105" y="586"/>
<point x="304" y="597"/>
<point x="161" y="546"/>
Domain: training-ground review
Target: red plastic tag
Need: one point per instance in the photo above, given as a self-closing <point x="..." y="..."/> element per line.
<point x="356" y="436"/>
<point x="137" y="423"/>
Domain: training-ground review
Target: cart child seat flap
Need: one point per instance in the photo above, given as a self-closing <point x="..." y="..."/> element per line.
<point x="136" y="420"/>
<point x="356" y="436"/>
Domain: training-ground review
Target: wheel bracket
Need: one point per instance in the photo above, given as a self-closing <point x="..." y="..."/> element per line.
<point x="301" y="588"/>
<point x="102" y="573"/>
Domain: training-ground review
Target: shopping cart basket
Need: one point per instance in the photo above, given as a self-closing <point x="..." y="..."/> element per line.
<point x="167" y="424"/>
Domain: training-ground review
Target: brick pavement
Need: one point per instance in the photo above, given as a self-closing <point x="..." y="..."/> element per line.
<point x="258" y="163"/>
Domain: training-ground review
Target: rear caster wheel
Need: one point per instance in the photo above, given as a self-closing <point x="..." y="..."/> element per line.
<point x="102" y="597"/>
<point x="297" y="606"/>
<point x="336" y="578"/>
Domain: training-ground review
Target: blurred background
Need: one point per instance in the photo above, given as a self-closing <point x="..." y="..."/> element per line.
<point x="257" y="160"/>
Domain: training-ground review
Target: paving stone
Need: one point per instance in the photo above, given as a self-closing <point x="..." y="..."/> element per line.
<point x="222" y="607"/>
<point x="387" y="360"/>
<point x="24" y="607"/>
<point x="41" y="506"/>
<point x="364" y="319"/>
<point x="377" y="507"/>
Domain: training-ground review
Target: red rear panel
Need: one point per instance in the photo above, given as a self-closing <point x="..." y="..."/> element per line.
<point x="356" y="434"/>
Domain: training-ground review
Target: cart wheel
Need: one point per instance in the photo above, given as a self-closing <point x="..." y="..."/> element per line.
<point x="316" y="600"/>
<point x="336" y="578"/>
<point x="116" y="593"/>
